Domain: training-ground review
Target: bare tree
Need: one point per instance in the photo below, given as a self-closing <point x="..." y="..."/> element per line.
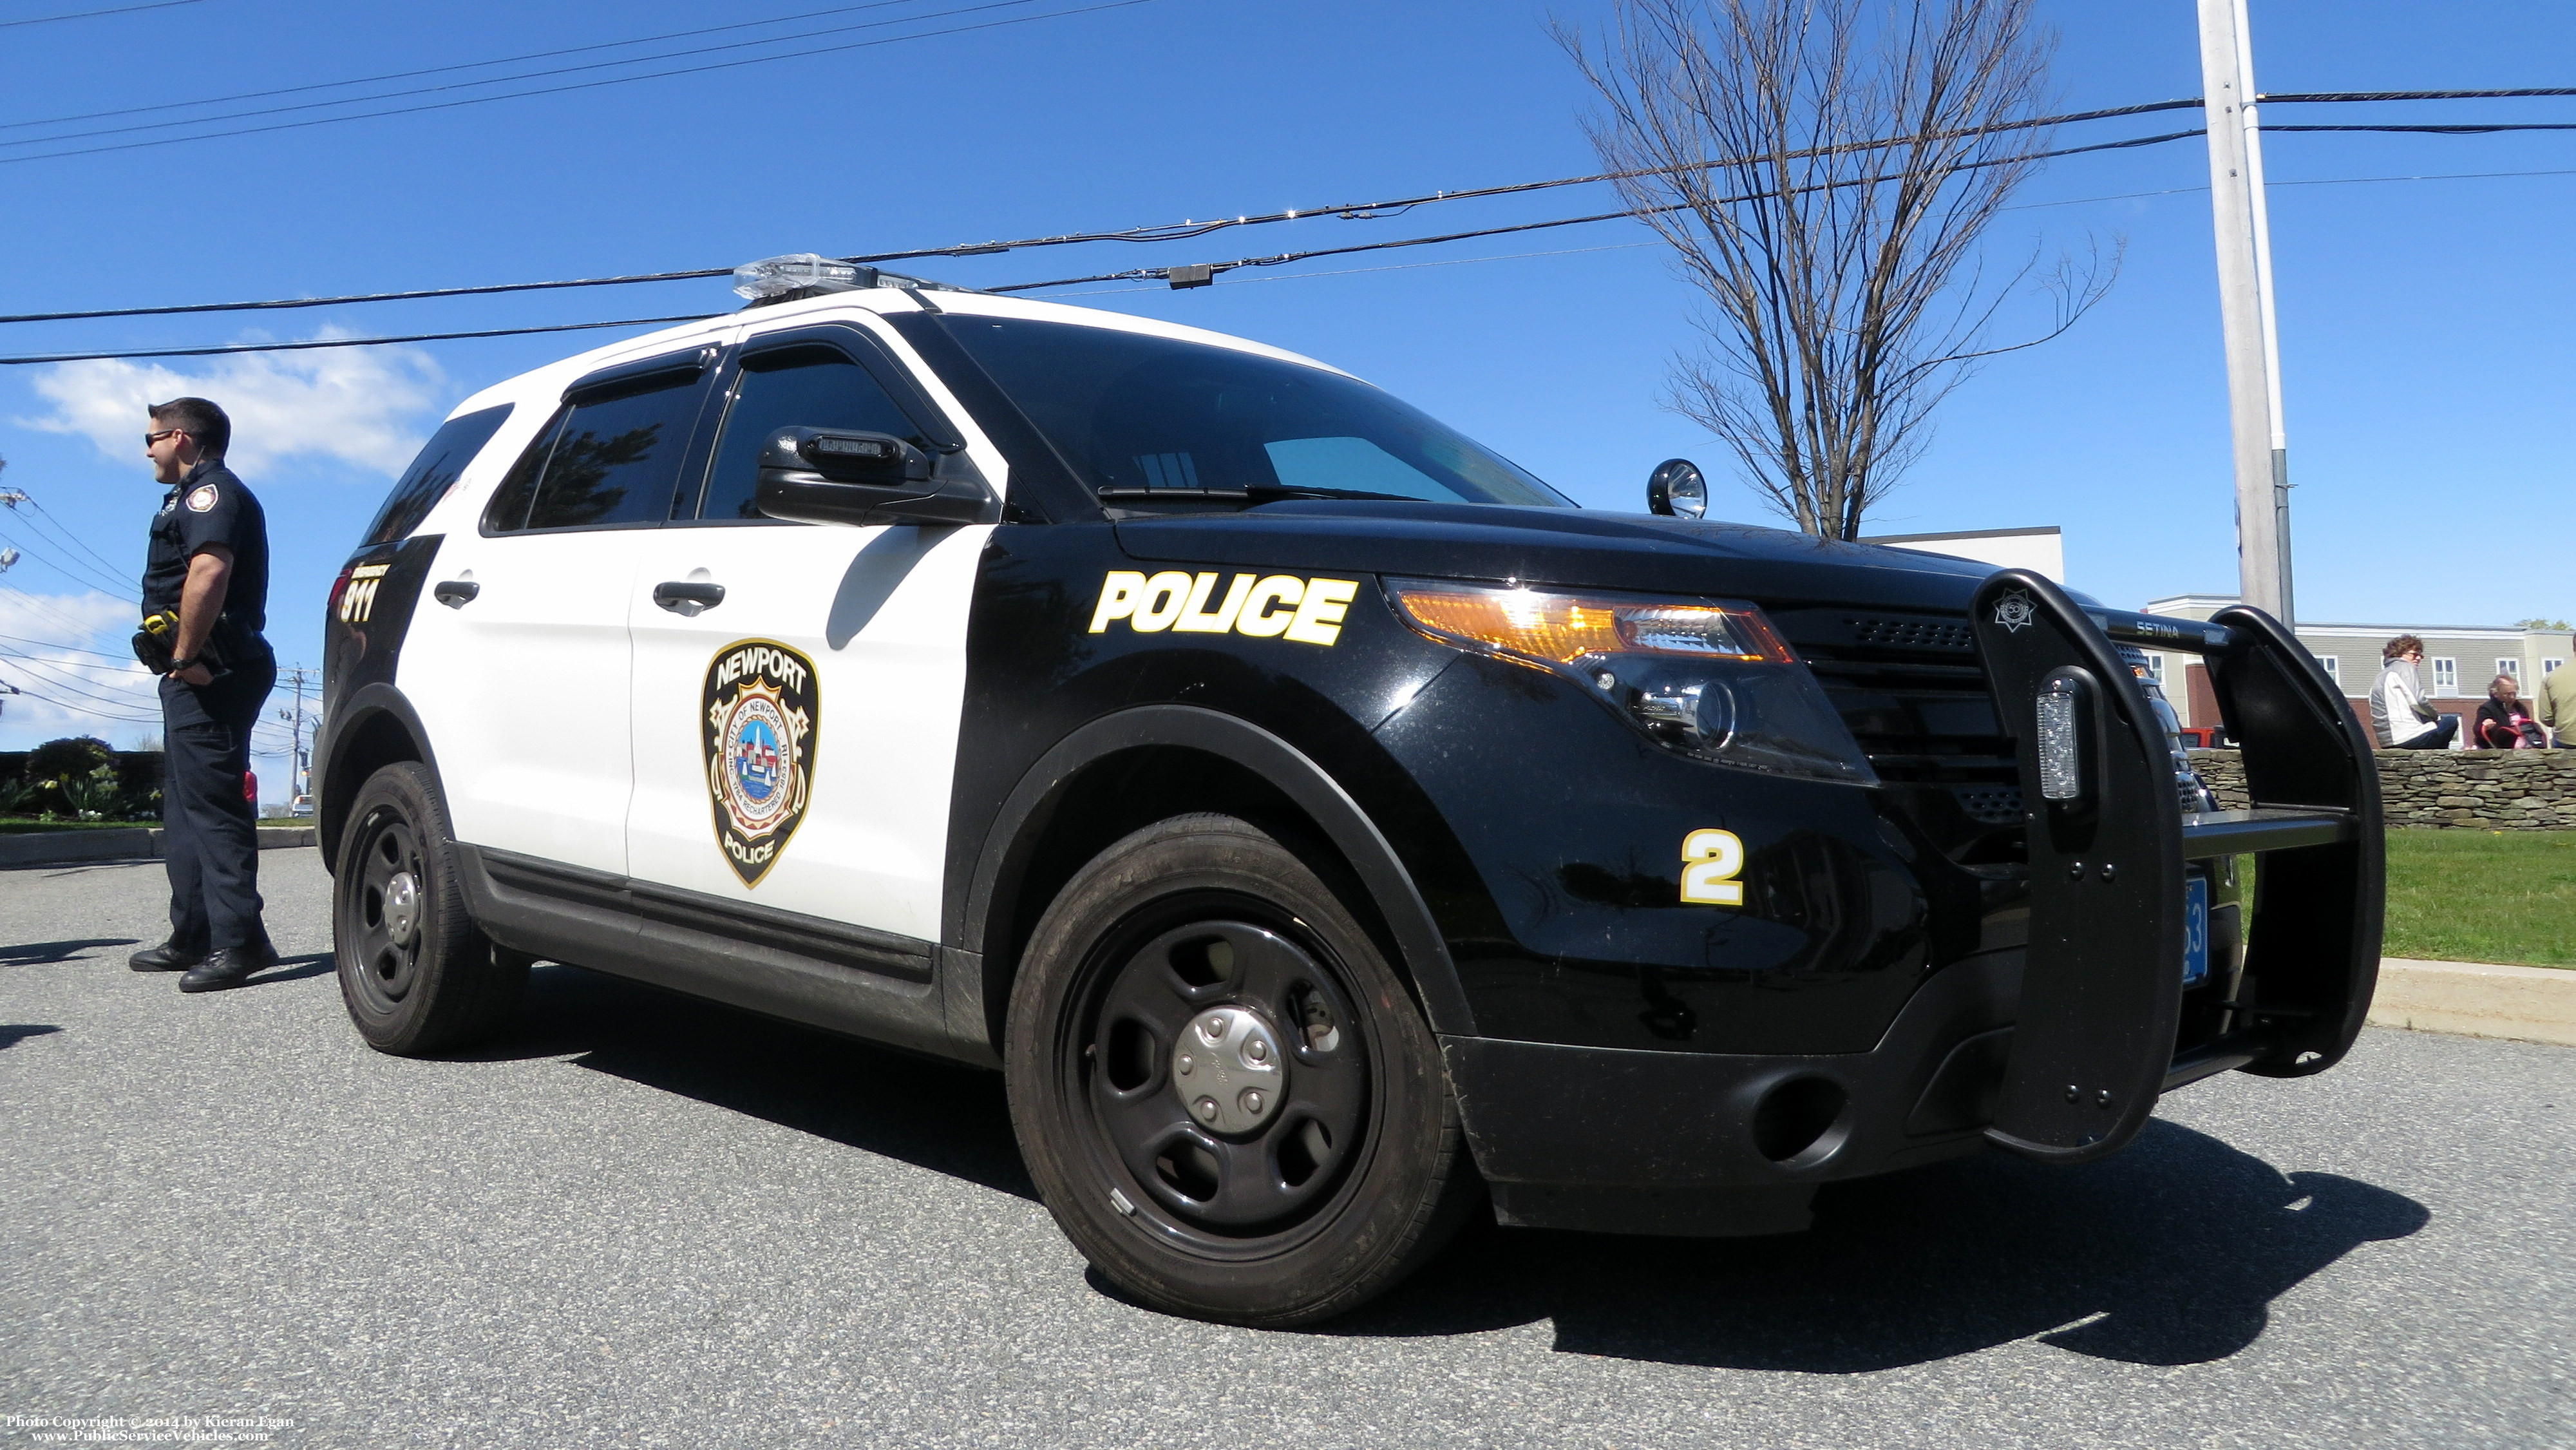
<point x="1824" y="170"/>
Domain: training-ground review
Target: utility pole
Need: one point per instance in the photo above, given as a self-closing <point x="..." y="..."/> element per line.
<point x="299" y="760"/>
<point x="2262" y="445"/>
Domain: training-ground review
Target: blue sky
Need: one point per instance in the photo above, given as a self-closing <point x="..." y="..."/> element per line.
<point x="2424" y="324"/>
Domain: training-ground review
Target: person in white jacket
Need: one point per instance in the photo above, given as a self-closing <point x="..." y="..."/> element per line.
<point x="2399" y="716"/>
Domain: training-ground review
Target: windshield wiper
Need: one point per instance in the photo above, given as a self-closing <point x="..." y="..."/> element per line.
<point x="1249" y="493"/>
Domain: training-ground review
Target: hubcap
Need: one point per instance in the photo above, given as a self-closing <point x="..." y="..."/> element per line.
<point x="1226" y="1067"/>
<point x="402" y="906"/>
<point x="1226" y="1073"/>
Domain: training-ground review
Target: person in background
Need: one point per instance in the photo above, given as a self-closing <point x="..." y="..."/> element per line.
<point x="2399" y="716"/>
<point x="2558" y="706"/>
<point x="2504" y="722"/>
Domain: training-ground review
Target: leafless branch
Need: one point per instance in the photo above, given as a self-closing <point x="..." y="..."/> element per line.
<point x="1864" y="147"/>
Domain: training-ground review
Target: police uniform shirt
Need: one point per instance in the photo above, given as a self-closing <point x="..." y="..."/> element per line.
<point x="210" y="506"/>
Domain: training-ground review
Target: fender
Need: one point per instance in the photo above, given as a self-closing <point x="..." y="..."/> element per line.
<point x="347" y="726"/>
<point x="1007" y="844"/>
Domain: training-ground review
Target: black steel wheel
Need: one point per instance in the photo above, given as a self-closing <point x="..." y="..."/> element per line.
<point x="417" y="975"/>
<point x="1226" y="1095"/>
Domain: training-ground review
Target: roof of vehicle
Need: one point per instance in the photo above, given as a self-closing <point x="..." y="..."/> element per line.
<point x="724" y="327"/>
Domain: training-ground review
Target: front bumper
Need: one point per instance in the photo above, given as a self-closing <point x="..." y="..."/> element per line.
<point x="2058" y="1050"/>
<point x="1709" y="1143"/>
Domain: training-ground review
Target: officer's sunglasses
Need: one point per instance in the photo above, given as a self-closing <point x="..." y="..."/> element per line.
<point x="151" y="438"/>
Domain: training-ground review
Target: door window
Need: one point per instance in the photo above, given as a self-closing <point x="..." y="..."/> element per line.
<point x="602" y="463"/>
<point x="797" y="387"/>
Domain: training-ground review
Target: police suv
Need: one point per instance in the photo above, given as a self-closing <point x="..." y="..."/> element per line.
<point x="1328" y="830"/>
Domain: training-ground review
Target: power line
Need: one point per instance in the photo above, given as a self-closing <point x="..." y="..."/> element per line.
<point x="524" y="75"/>
<point x="1155" y="273"/>
<point x="66" y="648"/>
<point x="1183" y="230"/>
<point x="94" y="14"/>
<point x="87" y="580"/>
<point x="404" y="75"/>
<point x="14" y="497"/>
<point x="592" y="85"/>
<point x="343" y="341"/>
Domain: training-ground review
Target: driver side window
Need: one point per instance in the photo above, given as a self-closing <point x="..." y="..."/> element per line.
<point x="808" y="387"/>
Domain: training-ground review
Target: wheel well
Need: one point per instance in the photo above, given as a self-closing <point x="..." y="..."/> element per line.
<point x="1127" y="791"/>
<point x="372" y="743"/>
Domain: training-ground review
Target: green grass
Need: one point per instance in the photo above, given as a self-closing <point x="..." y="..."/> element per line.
<point x="2483" y="896"/>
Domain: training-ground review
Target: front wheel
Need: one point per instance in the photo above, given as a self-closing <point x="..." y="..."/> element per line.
<point x="417" y="974"/>
<point x="1227" y="1097"/>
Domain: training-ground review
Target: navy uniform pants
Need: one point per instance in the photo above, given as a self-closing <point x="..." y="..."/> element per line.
<point x="210" y="835"/>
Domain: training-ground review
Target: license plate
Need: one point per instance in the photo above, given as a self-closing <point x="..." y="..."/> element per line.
<point x="2195" y="930"/>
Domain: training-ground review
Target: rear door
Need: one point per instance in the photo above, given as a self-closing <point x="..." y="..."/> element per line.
<point x="522" y="677"/>
<point x="795" y="740"/>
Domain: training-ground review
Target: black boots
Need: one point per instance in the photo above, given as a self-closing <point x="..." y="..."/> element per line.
<point x="167" y="957"/>
<point x="227" y="968"/>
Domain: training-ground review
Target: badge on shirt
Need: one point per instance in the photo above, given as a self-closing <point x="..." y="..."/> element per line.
<point x="201" y="498"/>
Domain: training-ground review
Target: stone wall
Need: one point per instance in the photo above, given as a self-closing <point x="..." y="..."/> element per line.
<point x="2489" y="790"/>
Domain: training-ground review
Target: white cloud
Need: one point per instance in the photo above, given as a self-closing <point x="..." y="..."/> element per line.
<point x="356" y="405"/>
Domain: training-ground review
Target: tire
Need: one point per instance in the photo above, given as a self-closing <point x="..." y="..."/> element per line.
<point x="1345" y="1175"/>
<point x="421" y="978"/>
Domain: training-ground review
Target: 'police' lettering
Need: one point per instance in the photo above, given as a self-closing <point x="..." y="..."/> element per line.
<point x="1309" y="611"/>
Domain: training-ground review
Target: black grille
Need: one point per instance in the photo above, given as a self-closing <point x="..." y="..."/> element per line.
<point x="1911" y="633"/>
<point x="1990" y="805"/>
<point x="1911" y="690"/>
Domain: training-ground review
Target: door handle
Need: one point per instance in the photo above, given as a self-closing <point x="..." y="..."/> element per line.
<point x="455" y="593"/>
<point x="677" y="595"/>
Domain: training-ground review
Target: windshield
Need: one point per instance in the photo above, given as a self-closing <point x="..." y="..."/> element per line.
<point x="1133" y="412"/>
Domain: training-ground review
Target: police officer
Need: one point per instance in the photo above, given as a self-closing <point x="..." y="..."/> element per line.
<point x="209" y="563"/>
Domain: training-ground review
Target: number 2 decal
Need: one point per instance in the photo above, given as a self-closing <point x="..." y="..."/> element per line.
<point x="1711" y="860"/>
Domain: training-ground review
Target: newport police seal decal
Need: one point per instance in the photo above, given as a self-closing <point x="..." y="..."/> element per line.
<point x="761" y="706"/>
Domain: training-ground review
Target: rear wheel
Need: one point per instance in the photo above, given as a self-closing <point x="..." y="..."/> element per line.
<point x="1226" y="1095"/>
<point x="417" y="974"/>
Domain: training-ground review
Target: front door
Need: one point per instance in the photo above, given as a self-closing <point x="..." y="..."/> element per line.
<point x="795" y="737"/>
<point x="520" y="670"/>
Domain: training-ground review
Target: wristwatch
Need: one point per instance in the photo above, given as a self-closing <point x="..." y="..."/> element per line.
<point x="178" y="667"/>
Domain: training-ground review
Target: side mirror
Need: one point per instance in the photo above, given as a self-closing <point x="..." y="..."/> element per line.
<point x="842" y="476"/>
<point x="1677" y="489"/>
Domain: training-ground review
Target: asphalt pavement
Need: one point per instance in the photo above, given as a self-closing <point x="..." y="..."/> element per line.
<point x="650" y="1222"/>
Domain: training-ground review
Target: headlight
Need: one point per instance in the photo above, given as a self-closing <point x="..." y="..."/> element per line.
<point x="1705" y="677"/>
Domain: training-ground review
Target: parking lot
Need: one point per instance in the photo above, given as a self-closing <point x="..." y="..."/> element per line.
<point x="646" y="1221"/>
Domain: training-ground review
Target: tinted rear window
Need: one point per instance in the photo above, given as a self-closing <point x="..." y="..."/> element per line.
<point x="1137" y="412"/>
<point x="601" y="464"/>
<point x="433" y="473"/>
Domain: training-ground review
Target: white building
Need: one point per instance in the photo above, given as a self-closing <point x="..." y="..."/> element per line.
<point x="2460" y="661"/>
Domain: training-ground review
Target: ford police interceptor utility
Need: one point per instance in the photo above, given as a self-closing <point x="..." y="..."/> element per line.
<point x="1327" y="829"/>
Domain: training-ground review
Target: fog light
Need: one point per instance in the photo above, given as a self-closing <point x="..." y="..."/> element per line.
<point x="2061" y="766"/>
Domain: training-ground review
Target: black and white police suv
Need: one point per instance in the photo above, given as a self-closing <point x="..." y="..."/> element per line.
<point x="1327" y="829"/>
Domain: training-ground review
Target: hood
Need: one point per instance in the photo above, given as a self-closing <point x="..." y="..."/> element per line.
<point x="1586" y="548"/>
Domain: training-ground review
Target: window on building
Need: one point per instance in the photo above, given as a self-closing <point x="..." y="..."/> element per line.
<point x="2548" y="666"/>
<point x="2446" y="676"/>
<point x="2334" y="667"/>
<point x="2156" y="668"/>
<point x="2509" y="668"/>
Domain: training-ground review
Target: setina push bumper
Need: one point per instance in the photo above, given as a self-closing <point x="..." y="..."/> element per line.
<point x="2057" y="1051"/>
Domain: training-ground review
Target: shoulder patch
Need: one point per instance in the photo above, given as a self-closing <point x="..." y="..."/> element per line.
<point x="201" y="498"/>
<point x="760" y="707"/>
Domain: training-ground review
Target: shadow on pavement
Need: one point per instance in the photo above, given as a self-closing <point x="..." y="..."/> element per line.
<point x="2170" y="1253"/>
<point x="11" y="1034"/>
<point x="931" y="1114"/>
<point x="294" y="969"/>
<point x="46" y="953"/>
